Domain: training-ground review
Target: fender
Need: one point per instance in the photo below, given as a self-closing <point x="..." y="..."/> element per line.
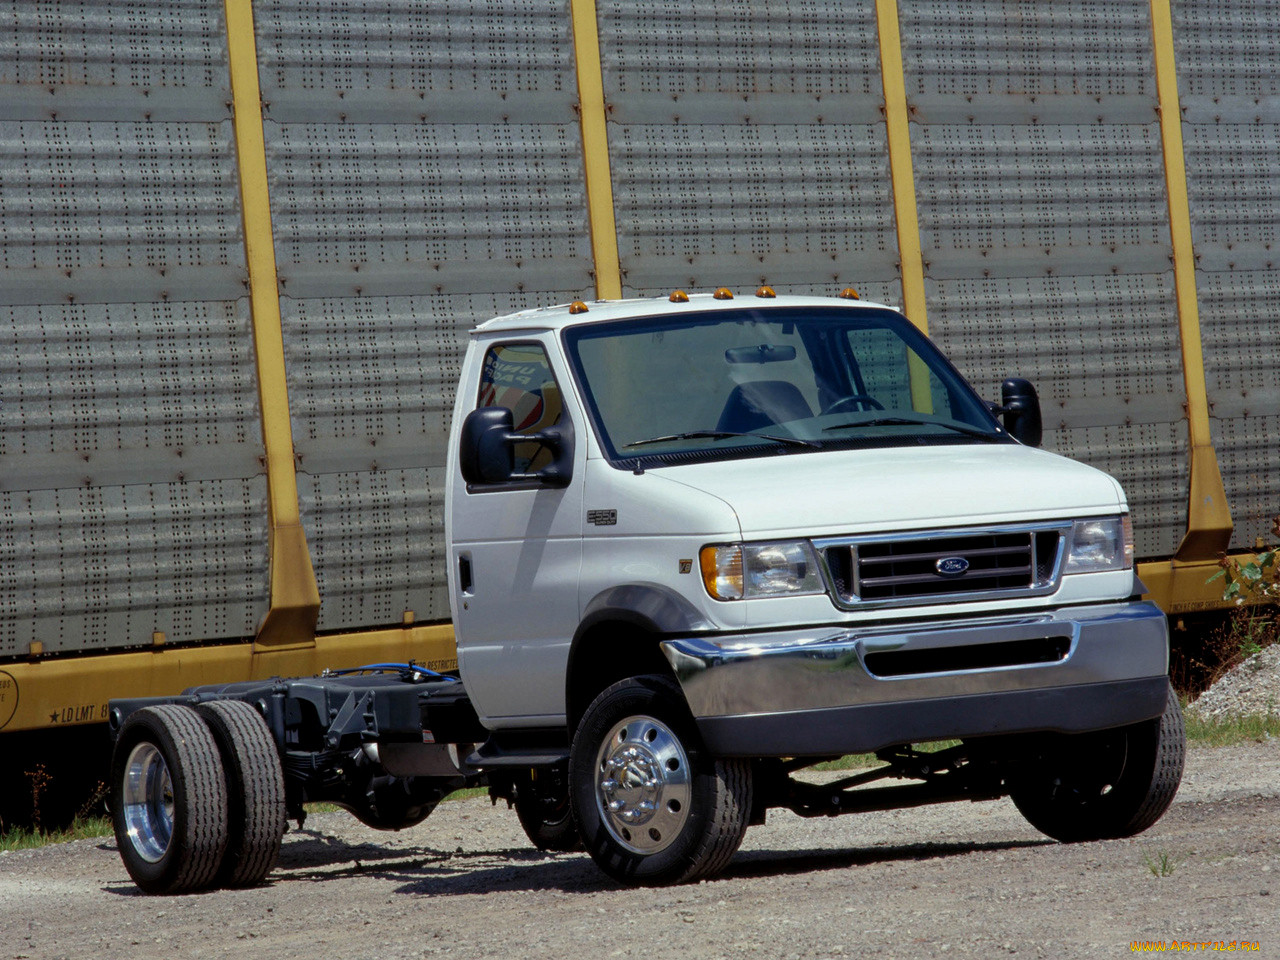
<point x="643" y="610"/>
<point x="650" y="606"/>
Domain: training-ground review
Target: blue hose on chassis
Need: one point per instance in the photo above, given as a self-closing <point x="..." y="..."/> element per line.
<point x="390" y="667"/>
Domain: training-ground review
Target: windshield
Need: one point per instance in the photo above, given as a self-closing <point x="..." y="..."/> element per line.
<point x="743" y="382"/>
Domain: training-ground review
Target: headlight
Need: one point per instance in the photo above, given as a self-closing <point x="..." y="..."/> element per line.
<point x="1098" y="545"/>
<point x="737" y="571"/>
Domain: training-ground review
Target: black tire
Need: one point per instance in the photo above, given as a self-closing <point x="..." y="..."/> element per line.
<point x="255" y="791"/>
<point x="679" y="814"/>
<point x="545" y="813"/>
<point x="169" y="800"/>
<point x="1107" y="785"/>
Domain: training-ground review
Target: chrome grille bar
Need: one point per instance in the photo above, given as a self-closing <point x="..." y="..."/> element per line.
<point x="995" y="562"/>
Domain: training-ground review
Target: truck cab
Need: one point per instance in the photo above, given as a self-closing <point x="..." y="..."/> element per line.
<point x="791" y="527"/>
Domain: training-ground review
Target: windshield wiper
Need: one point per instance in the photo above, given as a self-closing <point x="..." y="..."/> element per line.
<point x="721" y="435"/>
<point x="910" y="422"/>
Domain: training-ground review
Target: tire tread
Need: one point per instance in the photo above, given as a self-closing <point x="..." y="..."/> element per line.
<point x="728" y="824"/>
<point x="255" y="791"/>
<point x="1171" y="748"/>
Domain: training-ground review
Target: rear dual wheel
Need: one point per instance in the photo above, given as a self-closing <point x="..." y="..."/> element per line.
<point x="170" y="800"/>
<point x="198" y="797"/>
<point x="255" y="791"/>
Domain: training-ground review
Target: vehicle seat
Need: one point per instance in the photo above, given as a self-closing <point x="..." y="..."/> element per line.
<point x="762" y="403"/>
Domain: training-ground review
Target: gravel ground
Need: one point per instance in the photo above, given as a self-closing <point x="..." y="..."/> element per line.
<point x="968" y="880"/>
<point x="1250" y="687"/>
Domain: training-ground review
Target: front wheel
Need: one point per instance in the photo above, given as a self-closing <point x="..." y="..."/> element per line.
<point x="652" y="806"/>
<point x="1107" y="785"/>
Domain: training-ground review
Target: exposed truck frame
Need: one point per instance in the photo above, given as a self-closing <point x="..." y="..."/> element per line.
<point x="389" y="747"/>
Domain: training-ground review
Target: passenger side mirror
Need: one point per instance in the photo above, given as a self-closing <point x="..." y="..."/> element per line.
<point x="487" y="449"/>
<point x="1020" y="409"/>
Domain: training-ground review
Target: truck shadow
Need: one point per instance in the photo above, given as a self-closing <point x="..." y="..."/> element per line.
<point x="427" y="872"/>
<point x="773" y="863"/>
<point x="424" y="871"/>
<point x="433" y="872"/>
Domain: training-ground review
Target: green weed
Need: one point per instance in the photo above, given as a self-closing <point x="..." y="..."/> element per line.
<point x="84" y="825"/>
<point x="1161" y="864"/>
<point x="1234" y="729"/>
<point x="28" y="838"/>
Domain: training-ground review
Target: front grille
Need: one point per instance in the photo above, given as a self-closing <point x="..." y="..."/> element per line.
<point x="953" y="564"/>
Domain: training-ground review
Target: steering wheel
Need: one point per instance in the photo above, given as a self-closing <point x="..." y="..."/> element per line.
<point x="868" y="403"/>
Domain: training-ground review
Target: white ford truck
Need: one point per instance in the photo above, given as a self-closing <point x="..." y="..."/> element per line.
<point x="696" y="545"/>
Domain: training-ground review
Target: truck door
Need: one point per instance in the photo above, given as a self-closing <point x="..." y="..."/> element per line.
<point x="516" y="551"/>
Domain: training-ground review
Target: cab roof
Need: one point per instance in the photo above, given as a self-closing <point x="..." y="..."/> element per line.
<point x="598" y="311"/>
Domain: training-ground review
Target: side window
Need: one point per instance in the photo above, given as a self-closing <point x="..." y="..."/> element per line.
<point x="518" y="376"/>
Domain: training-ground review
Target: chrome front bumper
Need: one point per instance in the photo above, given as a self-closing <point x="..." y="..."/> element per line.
<point x="844" y="690"/>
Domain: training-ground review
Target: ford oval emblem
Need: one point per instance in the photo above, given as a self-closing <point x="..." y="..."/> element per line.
<point x="951" y="566"/>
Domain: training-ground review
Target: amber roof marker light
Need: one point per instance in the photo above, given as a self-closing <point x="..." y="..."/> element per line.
<point x="766" y="293"/>
<point x="678" y="296"/>
<point x="577" y="307"/>
<point x="848" y="293"/>
<point x="724" y="293"/>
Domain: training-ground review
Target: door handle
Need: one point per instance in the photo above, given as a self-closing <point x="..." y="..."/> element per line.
<point x="464" y="576"/>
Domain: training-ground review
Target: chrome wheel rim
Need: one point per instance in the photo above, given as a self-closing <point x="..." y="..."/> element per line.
<point x="643" y="785"/>
<point x="148" y="802"/>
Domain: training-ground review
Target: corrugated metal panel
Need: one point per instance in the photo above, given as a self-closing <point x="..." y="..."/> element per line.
<point x="426" y="174"/>
<point x="382" y="551"/>
<point x="1229" y="88"/>
<point x="1044" y="224"/>
<point x="101" y="567"/>
<point x="372" y="385"/>
<point x="747" y="146"/>
<point x="404" y="208"/>
<point x="133" y="499"/>
<point x="103" y="394"/>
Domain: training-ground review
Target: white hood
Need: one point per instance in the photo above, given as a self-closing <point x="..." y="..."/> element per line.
<point x="863" y="491"/>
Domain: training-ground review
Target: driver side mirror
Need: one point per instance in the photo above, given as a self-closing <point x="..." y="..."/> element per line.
<point x="1020" y="410"/>
<point x="487" y="449"/>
